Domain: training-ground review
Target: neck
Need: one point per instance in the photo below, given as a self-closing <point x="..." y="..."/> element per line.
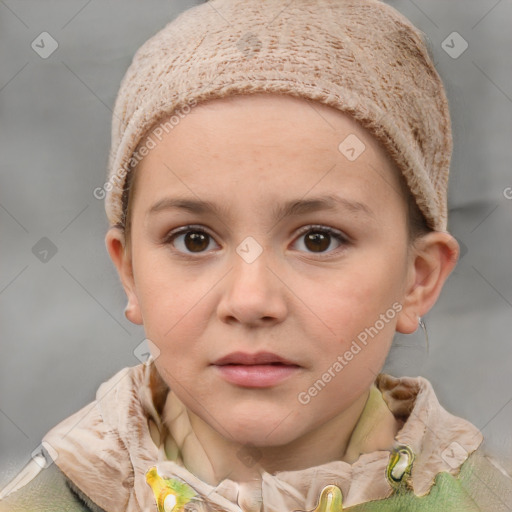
<point x="325" y="444"/>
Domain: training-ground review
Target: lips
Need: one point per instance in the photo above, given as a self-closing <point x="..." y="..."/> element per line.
<point x="261" y="370"/>
<point x="243" y="358"/>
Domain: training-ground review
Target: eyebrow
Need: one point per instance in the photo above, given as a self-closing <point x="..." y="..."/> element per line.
<point x="297" y="207"/>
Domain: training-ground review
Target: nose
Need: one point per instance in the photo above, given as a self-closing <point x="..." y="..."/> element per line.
<point x="254" y="293"/>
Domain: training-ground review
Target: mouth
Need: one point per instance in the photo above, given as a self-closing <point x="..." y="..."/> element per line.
<point x="260" y="358"/>
<point x="260" y="370"/>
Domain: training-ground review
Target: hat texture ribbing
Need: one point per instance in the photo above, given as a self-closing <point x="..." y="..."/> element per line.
<point x="361" y="57"/>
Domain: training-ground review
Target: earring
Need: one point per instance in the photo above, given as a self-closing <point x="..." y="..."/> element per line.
<point x="421" y="323"/>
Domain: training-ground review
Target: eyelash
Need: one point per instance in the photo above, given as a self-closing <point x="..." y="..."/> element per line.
<point x="340" y="237"/>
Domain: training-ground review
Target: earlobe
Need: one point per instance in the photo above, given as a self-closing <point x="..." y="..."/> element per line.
<point x="132" y="311"/>
<point x="115" y="243"/>
<point x="433" y="258"/>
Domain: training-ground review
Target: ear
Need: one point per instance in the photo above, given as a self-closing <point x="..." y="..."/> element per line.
<point x="433" y="257"/>
<point x="115" y="242"/>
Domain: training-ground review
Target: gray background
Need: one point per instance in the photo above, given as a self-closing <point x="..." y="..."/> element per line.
<point x="63" y="330"/>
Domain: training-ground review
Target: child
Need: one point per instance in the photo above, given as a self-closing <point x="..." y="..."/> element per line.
<point x="304" y="148"/>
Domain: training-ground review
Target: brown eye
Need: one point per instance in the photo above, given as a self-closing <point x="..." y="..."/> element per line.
<point x="196" y="241"/>
<point x="188" y="240"/>
<point x="318" y="240"/>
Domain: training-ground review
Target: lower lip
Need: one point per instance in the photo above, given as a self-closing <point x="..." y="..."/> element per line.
<point x="257" y="375"/>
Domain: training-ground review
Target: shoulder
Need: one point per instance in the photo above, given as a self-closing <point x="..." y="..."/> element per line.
<point x="44" y="490"/>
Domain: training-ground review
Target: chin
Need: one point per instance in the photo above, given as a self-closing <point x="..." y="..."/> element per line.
<point x="264" y="428"/>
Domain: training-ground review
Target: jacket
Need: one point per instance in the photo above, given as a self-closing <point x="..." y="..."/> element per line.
<point x="133" y="450"/>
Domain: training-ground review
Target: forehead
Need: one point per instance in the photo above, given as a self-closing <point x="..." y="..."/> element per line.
<point x="287" y="122"/>
<point x="266" y="143"/>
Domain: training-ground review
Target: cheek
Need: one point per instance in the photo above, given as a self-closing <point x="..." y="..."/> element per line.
<point x="171" y="300"/>
<point x="355" y="314"/>
<point x="348" y="298"/>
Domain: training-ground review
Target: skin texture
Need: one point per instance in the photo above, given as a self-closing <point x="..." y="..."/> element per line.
<point x="250" y="154"/>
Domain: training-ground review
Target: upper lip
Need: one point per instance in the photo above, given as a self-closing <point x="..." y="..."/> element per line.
<point x="248" y="359"/>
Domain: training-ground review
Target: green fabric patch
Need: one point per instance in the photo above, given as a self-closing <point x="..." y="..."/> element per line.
<point x="446" y="495"/>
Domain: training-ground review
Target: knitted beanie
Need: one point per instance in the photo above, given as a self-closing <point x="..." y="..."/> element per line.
<point x="361" y="57"/>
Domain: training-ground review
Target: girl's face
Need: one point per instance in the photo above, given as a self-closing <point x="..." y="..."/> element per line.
<point x="273" y="226"/>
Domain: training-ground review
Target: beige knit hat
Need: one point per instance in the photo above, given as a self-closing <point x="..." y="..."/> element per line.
<point x="361" y="57"/>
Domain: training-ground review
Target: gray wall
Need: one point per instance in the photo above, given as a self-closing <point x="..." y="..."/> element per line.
<point x="63" y="330"/>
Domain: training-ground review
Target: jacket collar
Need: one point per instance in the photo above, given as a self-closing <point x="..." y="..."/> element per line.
<point x="137" y="423"/>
